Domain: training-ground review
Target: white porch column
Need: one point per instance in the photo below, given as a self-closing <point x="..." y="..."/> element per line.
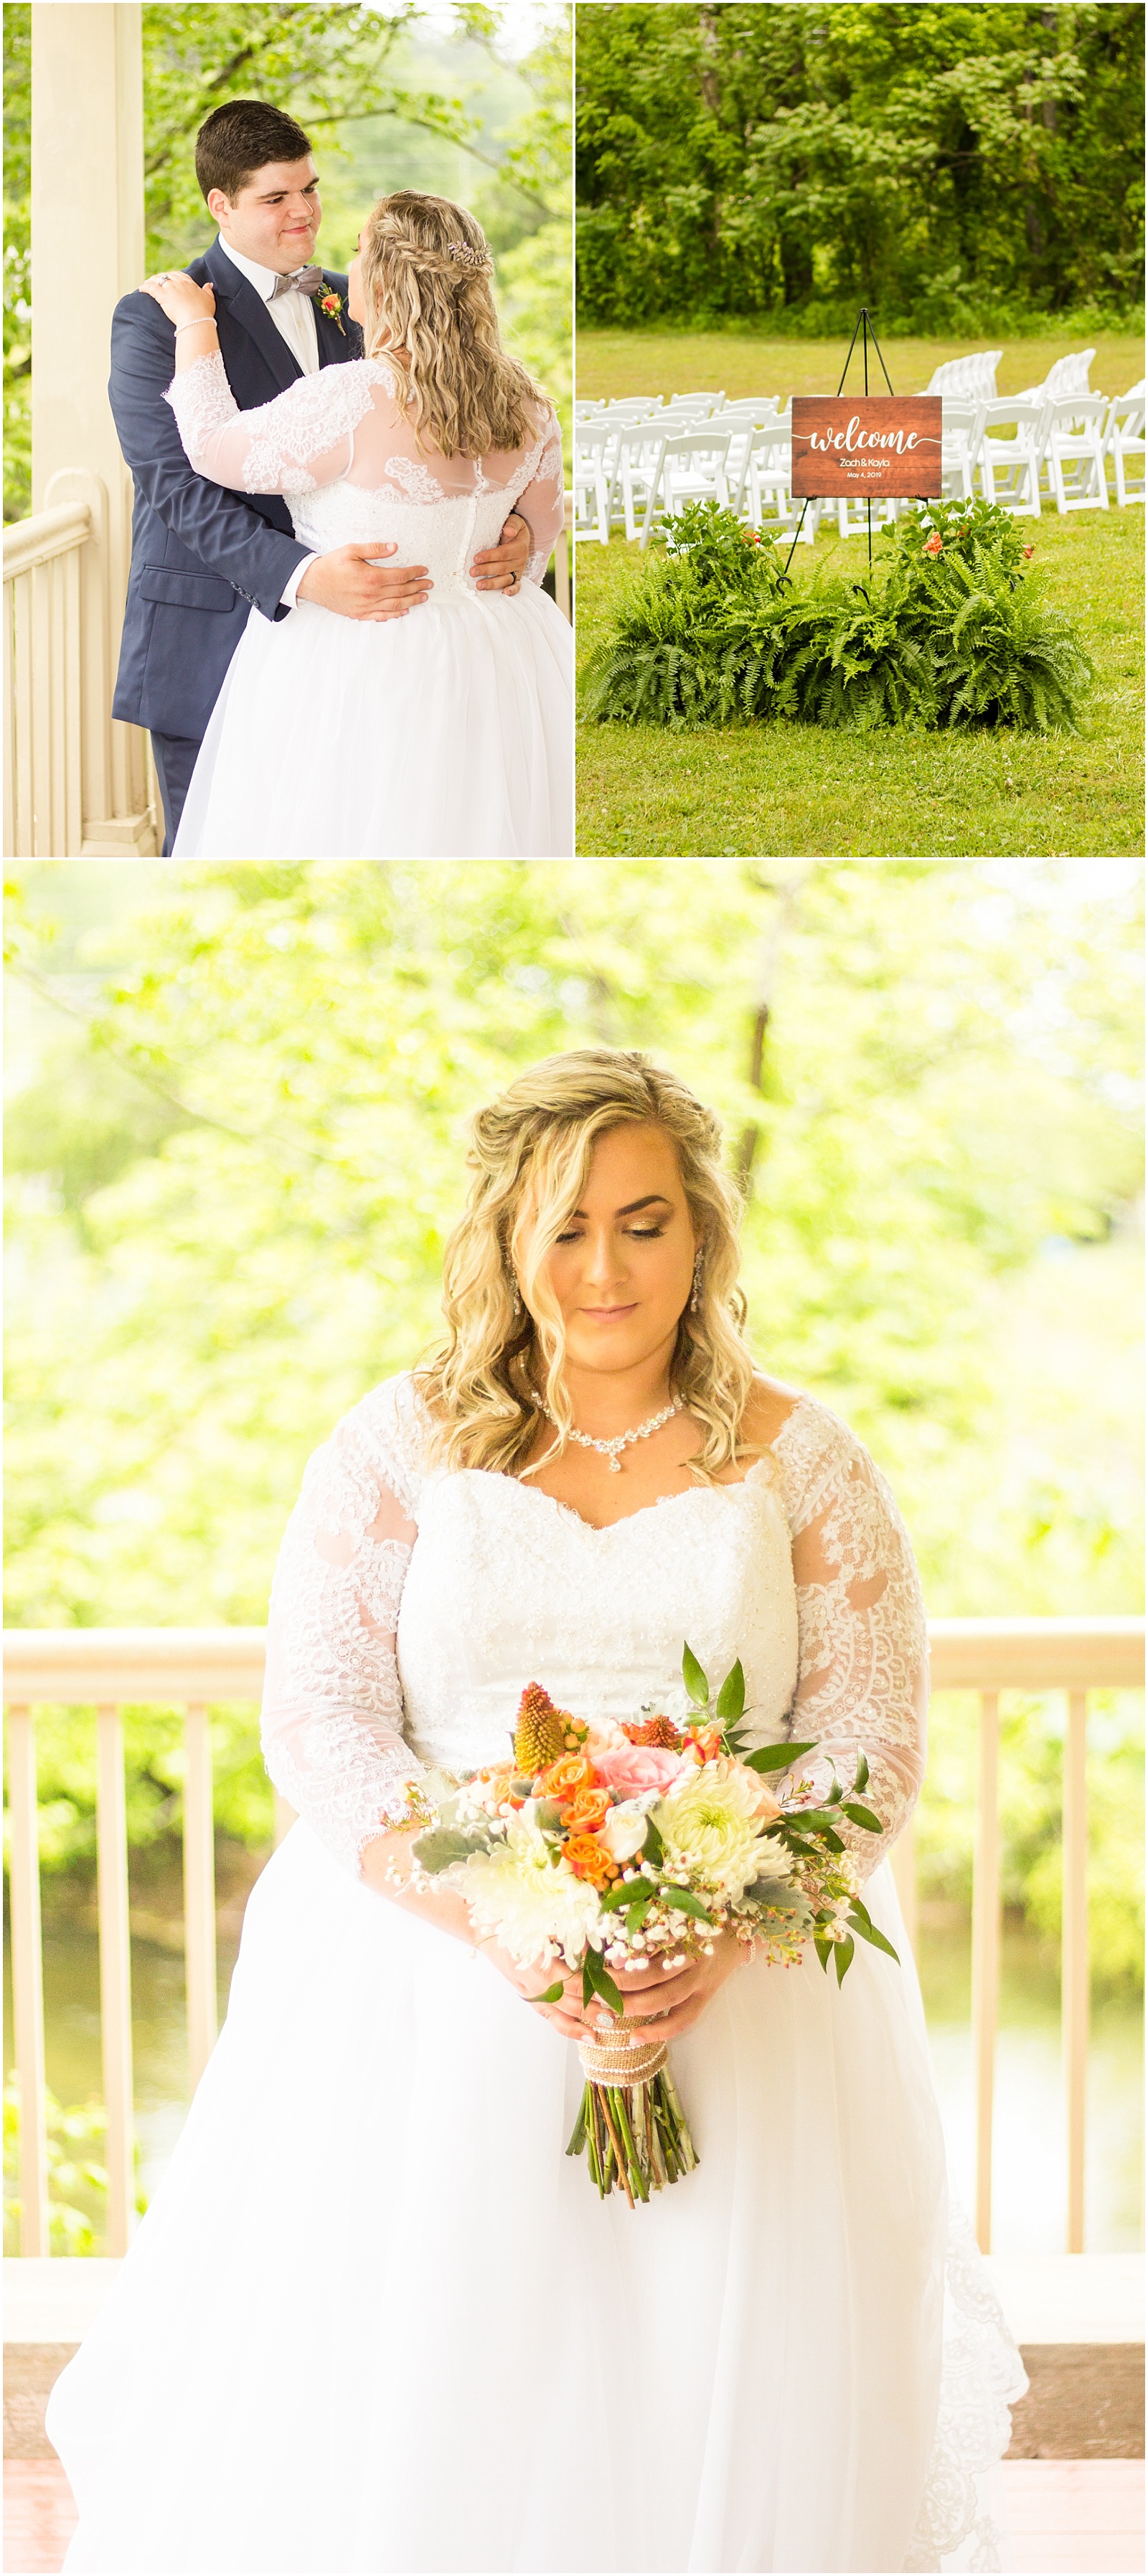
<point x="87" y="250"/>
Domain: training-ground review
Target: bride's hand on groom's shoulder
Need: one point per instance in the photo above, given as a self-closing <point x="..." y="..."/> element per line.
<point x="179" y="296"/>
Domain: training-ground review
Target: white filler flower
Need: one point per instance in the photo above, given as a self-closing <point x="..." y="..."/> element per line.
<point x="535" y="1905"/>
<point x="711" y="1828"/>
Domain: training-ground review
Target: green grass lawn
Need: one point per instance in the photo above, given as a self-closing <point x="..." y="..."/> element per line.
<point x="775" y="790"/>
<point x="611" y="363"/>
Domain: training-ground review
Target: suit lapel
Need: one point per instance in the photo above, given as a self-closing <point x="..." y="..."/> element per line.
<point x="249" y="312"/>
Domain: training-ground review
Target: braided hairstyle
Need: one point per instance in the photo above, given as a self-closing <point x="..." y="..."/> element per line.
<point x="427" y="279"/>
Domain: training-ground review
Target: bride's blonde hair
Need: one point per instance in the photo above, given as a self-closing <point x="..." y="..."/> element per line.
<point x="529" y="1158"/>
<point x="427" y="279"/>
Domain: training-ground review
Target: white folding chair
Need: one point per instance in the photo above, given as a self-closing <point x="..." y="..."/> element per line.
<point x="1010" y="465"/>
<point x="962" y="429"/>
<point x="1068" y="376"/>
<point x="742" y="419"/>
<point x="689" y="468"/>
<point x="971" y="379"/>
<point x="592" y="441"/>
<point x="1124" y="437"/>
<point x="1073" y="452"/>
<point x="764" y="492"/>
<point x="636" y="464"/>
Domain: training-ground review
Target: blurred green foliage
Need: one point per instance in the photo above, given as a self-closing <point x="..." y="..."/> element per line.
<point x="77" y="2181"/>
<point x="957" y="169"/>
<point x="390" y="102"/>
<point x="236" y="1141"/>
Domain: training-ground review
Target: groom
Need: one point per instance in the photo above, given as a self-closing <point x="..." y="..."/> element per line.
<point x="201" y="555"/>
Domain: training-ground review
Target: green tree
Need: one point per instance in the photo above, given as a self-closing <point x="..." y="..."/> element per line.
<point x="939" y="163"/>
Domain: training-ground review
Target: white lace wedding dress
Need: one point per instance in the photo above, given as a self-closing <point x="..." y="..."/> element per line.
<point x="375" y="2319"/>
<point x="447" y="733"/>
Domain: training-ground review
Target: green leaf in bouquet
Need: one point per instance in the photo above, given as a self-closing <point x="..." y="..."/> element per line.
<point x="553" y="1995"/>
<point x="824" y="1832"/>
<point x="442" y="1845"/>
<point x="833" y="1796"/>
<point x="731" y="1696"/>
<point x="695" y="1681"/>
<point x="597" y="1980"/>
<point x="776" y="1895"/>
<point x="861" y="1775"/>
<point x="823" y="1948"/>
<point x="865" y="1927"/>
<point x="842" y="1954"/>
<point x="862" y="1816"/>
<point x="777" y="1757"/>
<point x="548" y="1815"/>
<point x="637" y="1912"/>
<point x="624" y="1892"/>
<point x="686" y="1902"/>
<point x="653" y="1849"/>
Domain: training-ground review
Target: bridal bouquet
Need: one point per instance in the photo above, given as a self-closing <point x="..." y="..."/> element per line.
<point x="609" y="1847"/>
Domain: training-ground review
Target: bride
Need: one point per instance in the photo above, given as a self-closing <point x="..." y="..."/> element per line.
<point x="446" y="733"/>
<point x="375" y="2319"/>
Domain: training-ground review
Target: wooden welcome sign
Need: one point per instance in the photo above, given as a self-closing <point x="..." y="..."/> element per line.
<point x="864" y="448"/>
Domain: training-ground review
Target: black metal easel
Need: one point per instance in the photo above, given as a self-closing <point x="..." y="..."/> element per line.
<point x="863" y="324"/>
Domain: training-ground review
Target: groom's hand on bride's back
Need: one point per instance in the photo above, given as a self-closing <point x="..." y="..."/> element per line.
<point x="354" y="583"/>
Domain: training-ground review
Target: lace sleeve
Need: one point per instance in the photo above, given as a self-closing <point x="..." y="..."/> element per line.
<point x="302" y="439"/>
<point x="542" y="500"/>
<point x="332" y="1724"/>
<point x="863" y="1643"/>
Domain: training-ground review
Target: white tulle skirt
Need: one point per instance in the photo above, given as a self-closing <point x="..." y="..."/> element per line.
<point x="447" y="733"/>
<point x="376" y="2320"/>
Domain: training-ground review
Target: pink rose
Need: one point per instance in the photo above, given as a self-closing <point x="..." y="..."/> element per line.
<point x="634" y="1768"/>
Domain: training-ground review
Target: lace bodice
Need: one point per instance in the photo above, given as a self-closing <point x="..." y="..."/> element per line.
<point x="349" y="465"/>
<point x="411" y="1605"/>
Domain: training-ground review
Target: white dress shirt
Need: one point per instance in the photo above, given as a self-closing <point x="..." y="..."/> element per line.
<point x="294" y="319"/>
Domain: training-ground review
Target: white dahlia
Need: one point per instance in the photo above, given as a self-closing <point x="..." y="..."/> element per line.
<point x="711" y="1826"/>
<point x="532" y="1903"/>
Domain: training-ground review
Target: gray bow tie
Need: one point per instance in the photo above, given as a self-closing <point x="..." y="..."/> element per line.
<point x="308" y="281"/>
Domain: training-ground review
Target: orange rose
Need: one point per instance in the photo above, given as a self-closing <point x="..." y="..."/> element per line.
<point x="564" y="1779"/>
<point x="590" y="1859"/>
<point x="588" y="1810"/>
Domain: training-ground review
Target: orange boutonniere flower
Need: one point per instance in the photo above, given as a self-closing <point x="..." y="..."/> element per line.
<point x="332" y="305"/>
<point x="590" y="1859"/>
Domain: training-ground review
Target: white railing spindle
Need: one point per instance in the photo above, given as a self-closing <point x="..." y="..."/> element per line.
<point x="1074" y="1956"/>
<point x="28" y="1982"/>
<point x="199" y="1891"/>
<point x="986" y="1956"/>
<point x="115" y="1976"/>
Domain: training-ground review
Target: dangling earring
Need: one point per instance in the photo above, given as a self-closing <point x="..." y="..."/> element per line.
<point x="696" y="1297"/>
<point x="515" y="1300"/>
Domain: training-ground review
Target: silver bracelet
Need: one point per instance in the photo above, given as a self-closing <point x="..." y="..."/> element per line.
<point x="197" y="325"/>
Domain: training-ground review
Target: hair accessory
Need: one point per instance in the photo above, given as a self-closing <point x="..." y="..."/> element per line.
<point x="467" y="257"/>
<point x="699" y="1264"/>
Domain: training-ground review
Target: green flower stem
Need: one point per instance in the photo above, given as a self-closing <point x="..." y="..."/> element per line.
<point x="635" y="2137"/>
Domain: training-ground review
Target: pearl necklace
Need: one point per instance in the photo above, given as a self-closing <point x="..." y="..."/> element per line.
<point x="609" y="1449"/>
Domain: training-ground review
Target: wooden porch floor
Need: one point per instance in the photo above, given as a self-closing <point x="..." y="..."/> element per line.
<point x="1069" y="2517"/>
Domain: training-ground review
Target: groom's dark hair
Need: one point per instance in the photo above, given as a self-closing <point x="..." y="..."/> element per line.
<point x="237" y="140"/>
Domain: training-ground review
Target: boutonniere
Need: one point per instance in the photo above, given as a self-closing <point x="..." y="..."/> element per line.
<point x="332" y="305"/>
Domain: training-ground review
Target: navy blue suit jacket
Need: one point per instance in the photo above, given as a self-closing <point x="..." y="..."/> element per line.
<point x="200" y="554"/>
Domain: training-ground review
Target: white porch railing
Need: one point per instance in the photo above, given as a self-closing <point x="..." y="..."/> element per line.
<point x="195" y="1667"/>
<point x="76" y="784"/>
